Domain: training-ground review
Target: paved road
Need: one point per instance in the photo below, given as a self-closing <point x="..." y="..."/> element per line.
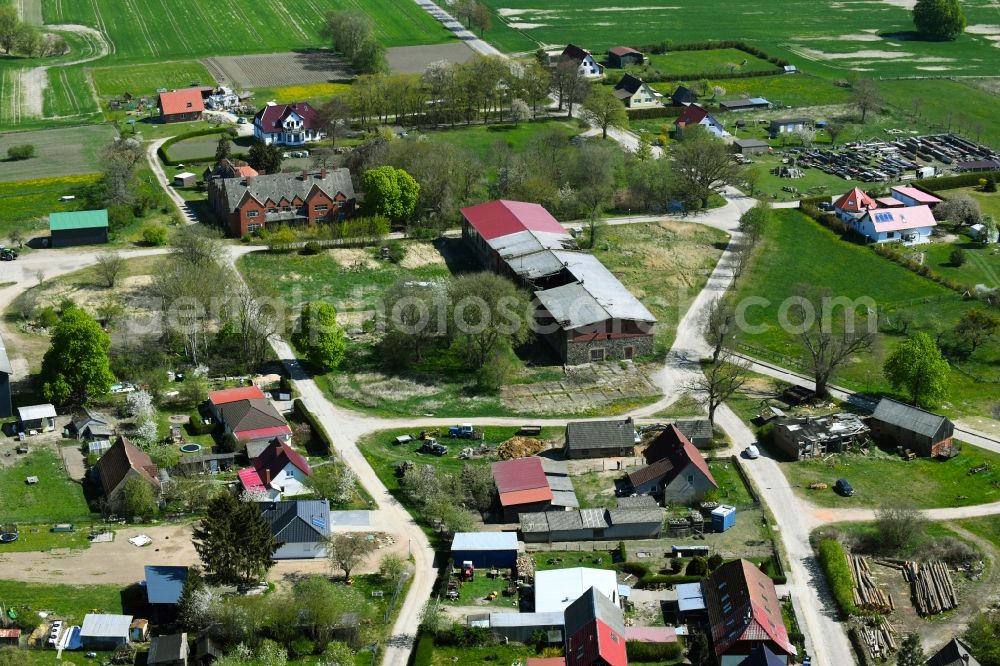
<point x="460" y="31"/>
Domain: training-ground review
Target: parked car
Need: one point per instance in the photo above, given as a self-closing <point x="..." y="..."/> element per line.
<point x="751" y="452"/>
<point x="241" y="121"/>
<point x="844" y="487"/>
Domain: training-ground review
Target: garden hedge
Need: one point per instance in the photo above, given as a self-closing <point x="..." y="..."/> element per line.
<point x="302" y="412"/>
<point x="654" y="652"/>
<point x="423" y="655"/>
<point x="162" y="150"/>
<point x="954" y="182"/>
<point x="833" y="559"/>
<point x="657" y="112"/>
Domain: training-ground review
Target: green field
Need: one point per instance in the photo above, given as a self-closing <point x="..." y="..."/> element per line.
<point x="58" y="152"/>
<point x="146" y="79"/>
<point x="784" y="90"/>
<point x="479" y="139"/>
<point x="947" y="106"/>
<point x="680" y="64"/>
<point x="55" y="498"/>
<point x="185" y="29"/>
<point x="70" y="602"/>
<point x="883" y="478"/>
<point x="24" y="201"/>
<point x="982" y="262"/>
<point x="876" y="35"/>
<point x="809" y="254"/>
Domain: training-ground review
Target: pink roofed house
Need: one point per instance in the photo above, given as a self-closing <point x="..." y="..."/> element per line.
<point x="279" y="471"/>
<point x="912" y="224"/>
<point x="912" y="196"/>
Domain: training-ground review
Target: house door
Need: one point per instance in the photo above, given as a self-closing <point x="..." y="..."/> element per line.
<point x="629" y="353"/>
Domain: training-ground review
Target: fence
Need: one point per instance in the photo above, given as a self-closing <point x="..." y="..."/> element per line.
<point x="392" y="602"/>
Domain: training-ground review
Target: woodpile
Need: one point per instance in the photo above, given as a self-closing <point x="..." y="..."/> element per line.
<point x="931" y="587"/>
<point x="878" y="638"/>
<point x="525" y="567"/>
<point x="867" y="594"/>
<point x="519" y="447"/>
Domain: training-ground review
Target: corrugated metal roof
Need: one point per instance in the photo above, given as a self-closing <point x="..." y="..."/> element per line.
<point x="560" y="482"/>
<point x="690" y="597"/>
<point x="529" y="496"/>
<point x="80" y="219"/>
<point x="554" y="467"/>
<point x="502" y="218"/>
<point x="648" y="515"/>
<point x="105" y="625"/>
<point x="484" y="541"/>
<point x="555" y="589"/>
<point x="609" y="434"/>
<point x="908" y="417"/>
<point x="564" y="520"/>
<point x="534" y="521"/>
<point x="225" y="396"/>
<point x="550" y="619"/>
<point x="519" y="474"/>
<point x="566" y="498"/>
<point x="637" y="502"/>
<point x="594" y="518"/>
<point x="33" y="412"/>
<point x="530" y="241"/>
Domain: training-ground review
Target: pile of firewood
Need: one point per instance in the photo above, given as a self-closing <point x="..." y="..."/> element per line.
<point x="519" y="447"/>
<point x="525" y="567"/>
<point x="878" y="637"/>
<point x="931" y="587"/>
<point x="867" y="594"/>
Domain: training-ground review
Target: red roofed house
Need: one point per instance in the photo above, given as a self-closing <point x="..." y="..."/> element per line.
<point x="522" y="485"/>
<point x="621" y="57"/>
<point x="853" y="205"/>
<point x="595" y="632"/>
<point x="124" y="461"/>
<point x="288" y="124"/>
<point x="912" y="196"/>
<point x="743" y="613"/>
<point x="279" y="471"/>
<point x="180" y="105"/>
<point x="675" y="470"/>
<point x="696" y="115"/>
<point x="248" y="415"/>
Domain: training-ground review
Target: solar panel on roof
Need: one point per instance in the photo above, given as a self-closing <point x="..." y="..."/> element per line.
<point x="318" y="522"/>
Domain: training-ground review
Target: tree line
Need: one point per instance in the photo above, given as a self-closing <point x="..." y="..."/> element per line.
<point x="19" y="37"/>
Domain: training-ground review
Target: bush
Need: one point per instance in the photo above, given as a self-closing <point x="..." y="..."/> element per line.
<point x="301" y="647"/>
<point x="312" y="247"/>
<point x="715" y="561"/>
<point x="991" y="184"/>
<point x="654" y="652"/>
<point x="22" y="152"/>
<point x="154" y="234"/>
<point x="622" y="553"/>
<point x="833" y="559"/>
<point x="197" y="426"/>
<point x="395" y="251"/>
<point x="698" y="566"/>
<point x="637" y="569"/>
<point x="47" y="317"/>
<point x="956" y="258"/>
<point x="658" y="112"/>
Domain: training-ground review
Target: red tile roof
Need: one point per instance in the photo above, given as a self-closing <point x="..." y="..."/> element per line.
<point x="225" y="396"/>
<point x="10" y="633"/>
<point x="276" y="457"/>
<point x="269" y="118"/>
<point x="623" y="50"/>
<point x="546" y="661"/>
<point x="855" y="201"/>
<point x="250" y="480"/>
<point x="502" y="218"/>
<point x="692" y="115"/>
<point x="743" y="606"/>
<point x="186" y="100"/>
<point x="668" y="455"/>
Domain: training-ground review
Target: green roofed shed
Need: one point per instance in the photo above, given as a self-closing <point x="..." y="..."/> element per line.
<point x="85" y="227"/>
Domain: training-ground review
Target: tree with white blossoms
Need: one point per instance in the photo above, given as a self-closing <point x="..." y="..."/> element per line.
<point x="253" y="496"/>
<point x="140" y="407"/>
<point x="519" y="111"/>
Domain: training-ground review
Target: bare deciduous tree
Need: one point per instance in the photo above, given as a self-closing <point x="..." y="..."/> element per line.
<point x="109" y="268"/>
<point x="720" y="380"/>
<point x="866" y="98"/>
<point x="720" y="322"/>
<point x="347" y="550"/>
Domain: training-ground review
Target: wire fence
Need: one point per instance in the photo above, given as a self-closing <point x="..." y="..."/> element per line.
<point x="392" y="601"/>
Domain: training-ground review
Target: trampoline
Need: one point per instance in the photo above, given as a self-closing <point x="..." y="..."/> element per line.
<point x="191" y="447"/>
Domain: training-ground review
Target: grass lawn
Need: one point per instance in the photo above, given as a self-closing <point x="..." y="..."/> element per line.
<point x="786" y="90"/>
<point x="58" y="152"/>
<point x="145" y="79"/>
<point x="476" y="591"/>
<point x="545" y="561"/>
<point x="881" y="478"/>
<point x="69" y="602"/>
<point x="989" y="202"/>
<point x="381" y="453"/>
<point x="190" y="29"/>
<point x="41" y="538"/>
<point x="479" y="139"/>
<point x="24" y="201"/>
<point x="732" y="491"/>
<point x="495" y="654"/>
<point x="982" y="262"/>
<point x="813" y="182"/>
<point x="987" y="528"/>
<point x="55" y="498"/>
<point x="685" y="406"/>
<point x="665" y="265"/>
<point x="810" y="254"/>
<point x="681" y="64"/>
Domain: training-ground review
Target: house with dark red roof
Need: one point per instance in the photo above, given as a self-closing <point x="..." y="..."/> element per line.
<point x="124" y="461"/>
<point x="279" y="471"/>
<point x="693" y="115"/>
<point x="293" y="124"/>
<point x="522" y="486"/>
<point x="621" y="57"/>
<point x="247" y="414"/>
<point x="595" y="631"/>
<point x="853" y="205"/>
<point x="675" y="470"/>
<point x="180" y="105"/>
<point x="744" y="613"/>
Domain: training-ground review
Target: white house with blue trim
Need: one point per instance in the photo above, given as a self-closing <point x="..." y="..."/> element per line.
<point x="910" y="225"/>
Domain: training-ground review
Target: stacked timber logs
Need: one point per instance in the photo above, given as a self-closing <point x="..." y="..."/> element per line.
<point x="868" y="595"/>
<point x="878" y="637"/>
<point x="525" y="567"/>
<point x="931" y="587"/>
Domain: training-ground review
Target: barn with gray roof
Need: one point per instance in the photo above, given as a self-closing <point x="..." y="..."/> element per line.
<point x="897" y="424"/>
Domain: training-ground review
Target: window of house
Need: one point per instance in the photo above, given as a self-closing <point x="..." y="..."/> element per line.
<point x="597" y="355"/>
<point x="321" y="207"/>
<point x="251" y="213"/>
<point x="253" y="227"/>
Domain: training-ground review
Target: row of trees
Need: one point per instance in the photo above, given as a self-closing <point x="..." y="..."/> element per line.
<point x="19" y="37"/>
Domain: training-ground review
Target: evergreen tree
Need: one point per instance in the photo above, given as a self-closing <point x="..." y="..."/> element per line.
<point x="911" y="653"/>
<point x="223" y="148"/>
<point x="265" y="158"/>
<point x="234" y="541"/>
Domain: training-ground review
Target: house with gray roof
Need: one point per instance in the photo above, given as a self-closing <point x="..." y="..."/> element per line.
<point x="89" y="425"/>
<point x="600" y="439"/>
<point x="250" y="203"/>
<point x="898" y="424"/>
<point x="6" y="410"/>
<point x="300" y="528"/>
<point x="954" y="653"/>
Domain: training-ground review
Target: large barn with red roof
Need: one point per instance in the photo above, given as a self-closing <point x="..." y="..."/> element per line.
<point x="585" y="312"/>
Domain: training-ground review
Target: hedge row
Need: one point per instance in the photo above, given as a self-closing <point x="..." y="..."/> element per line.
<point x="656" y="76"/>
<point x="833" y="559"/>
<point x="953" y="182"/>
<point x="665" y="47"/>
<point x="891" y="252"/>
<point x="162" y="150"/>
<point x="657" y="112"/>
<point x="197" y="424"/>
<point x="302" y="412"/>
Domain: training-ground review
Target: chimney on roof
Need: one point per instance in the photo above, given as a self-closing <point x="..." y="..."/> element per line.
<point x="248" y="180"/>
<point x="267" y="476"/>
<point x="965" y="658"/>
<point x="322" y="173"/>
<point x="305" y="174"/>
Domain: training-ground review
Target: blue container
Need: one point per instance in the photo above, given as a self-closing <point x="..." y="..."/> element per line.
<point x="723" y="518"/>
